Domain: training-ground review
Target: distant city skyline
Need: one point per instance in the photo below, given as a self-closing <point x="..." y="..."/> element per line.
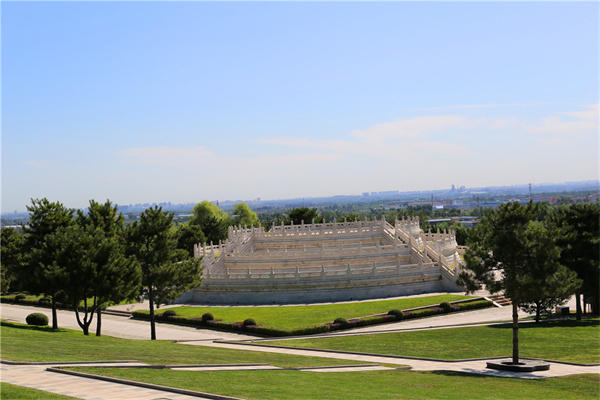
<point x="149" y="102"/>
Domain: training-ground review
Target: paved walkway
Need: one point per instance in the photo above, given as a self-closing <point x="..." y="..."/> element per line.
<point x="36" y="377"/>
<point x="120" y="326"/>
<point x="474" y="367"/>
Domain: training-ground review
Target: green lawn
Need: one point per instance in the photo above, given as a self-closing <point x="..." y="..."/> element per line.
<point x="569" y="340"/>
<point x="26" y="343"/>
<point x="395" y="384"/>
<point x="13" y="392"/>
<point x="289" y="318"/>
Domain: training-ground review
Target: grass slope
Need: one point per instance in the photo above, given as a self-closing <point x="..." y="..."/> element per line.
<point x="381" y="385"/>
<point x="569" y="340"/>
<point x="26" y="343"/>
<point x="14" y="392"/>
<point x="299" y="317"/>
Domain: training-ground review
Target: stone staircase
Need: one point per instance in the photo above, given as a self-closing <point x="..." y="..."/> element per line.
<point x="500" y="299"/>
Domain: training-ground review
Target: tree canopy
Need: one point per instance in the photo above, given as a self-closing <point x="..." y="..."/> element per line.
<point x="243" y="215"/>
<point x="579" y="239"/>
<point x="165" y="272"/>
<point x="514" y="253"/>
<point x="42" y="273"/>
<point x="211" y="219"/>
<point x="304" y="214"/>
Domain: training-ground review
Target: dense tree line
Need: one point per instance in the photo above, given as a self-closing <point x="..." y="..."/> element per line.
<point x="89" y="259"/>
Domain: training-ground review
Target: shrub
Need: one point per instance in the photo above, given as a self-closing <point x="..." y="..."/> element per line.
<point x="446" y="307"/>
<point x="169" y="313"/>
<point x="45" y="301"/>
<point x="38" y="319"/>
<point x="20" y="297"/>
<point x="474" y="305"/>
<point x="396" y="314"/>
<point x="341" y="321"/>
<point x="207" y="317"/>
<point x="249" y="322"/>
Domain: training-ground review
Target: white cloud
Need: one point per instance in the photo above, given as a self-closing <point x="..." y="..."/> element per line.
<point x="42" y="164"/>
<point x="565" y="126"/>
<point x="165" y="155"/>
<point x="409" y="128"/>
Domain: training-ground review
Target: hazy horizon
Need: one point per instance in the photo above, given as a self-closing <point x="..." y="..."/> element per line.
<point x="149" y="102"/>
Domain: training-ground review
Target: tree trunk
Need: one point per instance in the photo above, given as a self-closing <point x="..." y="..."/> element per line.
<point x="99" y="322"/>
<point x="152" y="326"/>
<point x="54" y="319"/>
<point x="515" y="318"/>
<point x="537" y="313"/>
<point x="578" y="305"/>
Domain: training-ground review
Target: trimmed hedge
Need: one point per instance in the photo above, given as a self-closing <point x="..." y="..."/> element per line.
<point x="37" y="319"/>
<point x="169" y="313"/>
<point x="327" y="327"/>
<point x="45" y="301"/>
<point x="249" y="322"/>
<point x="396" y="314"/>
<point x="341" y="321"/>
<point x="207" y="317"/>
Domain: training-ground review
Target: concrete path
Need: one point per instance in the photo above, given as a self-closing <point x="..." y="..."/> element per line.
<point x="120" y="326"/>
<point x="36" y="377"/>
<point x="473" y="367"/>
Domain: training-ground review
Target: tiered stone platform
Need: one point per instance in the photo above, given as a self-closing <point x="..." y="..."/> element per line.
<point x="326" y="262"/>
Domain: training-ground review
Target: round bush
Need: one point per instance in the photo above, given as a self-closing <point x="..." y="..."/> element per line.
<point x="207" y="317"/>
<point x="396" y="313"/>
<point x="249" y="321"/>
<point x="341" y="321"/>
<point x="38" y="319"/>
<point x="44" y="301"/>
<point x="169" y="313"/>
<point x="20" y="297"/>
<point x="445" y="306"/>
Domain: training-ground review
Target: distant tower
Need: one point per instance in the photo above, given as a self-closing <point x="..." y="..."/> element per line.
<point x="530" y="196"/>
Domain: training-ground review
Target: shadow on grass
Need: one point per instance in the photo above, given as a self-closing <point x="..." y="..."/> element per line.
<point x="478" y="374"/>
<point x="567" y="323"/>
<point x="460" y="373"/>
<point x="31" y="327"/>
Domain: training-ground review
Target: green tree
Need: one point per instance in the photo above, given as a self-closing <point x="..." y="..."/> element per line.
<point x="42" y="273"/>
<point x="505" y="258"/>
<point x="579" y="240"/>
<point x="12" y="243"/>
<point x="211" y="219"/>
<point x="243" y="215"/>
<point x="547" y="282"/>
<point x="187" y="235"/>
<point x="308" y="215"/>
<point x="165" y="273"/>
<point x="115" y="277"/>
<point x="70" y="247"/>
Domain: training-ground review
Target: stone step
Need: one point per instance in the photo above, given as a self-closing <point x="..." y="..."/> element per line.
<point x="500" y="299"/>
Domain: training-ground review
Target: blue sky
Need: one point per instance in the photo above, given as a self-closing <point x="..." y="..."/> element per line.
<point x="143" y="102"/>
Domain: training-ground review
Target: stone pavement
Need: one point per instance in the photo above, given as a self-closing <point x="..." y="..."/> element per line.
<point x="469" y="366"/>
<point x="120" y="326"/>
<point x="36" y="377"/>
